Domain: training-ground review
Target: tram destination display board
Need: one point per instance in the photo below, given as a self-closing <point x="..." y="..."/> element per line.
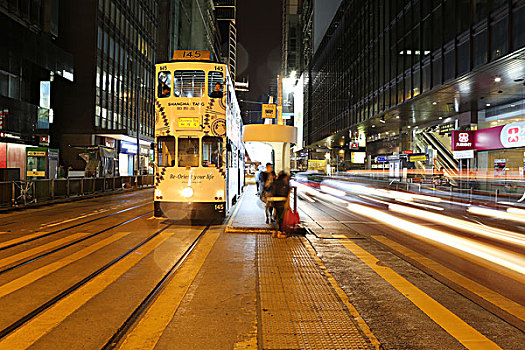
<point x="188" y="122"/>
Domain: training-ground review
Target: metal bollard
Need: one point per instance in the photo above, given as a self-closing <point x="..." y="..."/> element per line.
<point x="82" y="186"/>
<point x="13" y="200"/>
<point x="496" y="196"/>
<point x="67" y="187"/>
<point x="52" y="188"/>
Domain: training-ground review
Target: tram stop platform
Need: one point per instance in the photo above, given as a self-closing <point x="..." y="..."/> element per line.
<point x="258" y="292"/>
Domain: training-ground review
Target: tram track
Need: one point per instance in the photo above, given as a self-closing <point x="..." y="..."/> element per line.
<point x="65" y="293"/>
<point x="6" y="245"/>
<point x="119" y="335"/>
<point x="40" y="256"/>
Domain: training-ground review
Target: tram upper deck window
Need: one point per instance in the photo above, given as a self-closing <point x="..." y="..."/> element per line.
<point x="189" y="83"/>
<point x="211" y="151"/>
<point x="216" y="84"/>
<point x="166" y="151"/>
<point x="188" y="152"/>
<point x="164" y="84"/>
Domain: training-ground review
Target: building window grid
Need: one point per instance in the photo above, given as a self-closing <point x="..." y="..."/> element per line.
<point x="126" y="38"/>
<point x="411" y="79"/>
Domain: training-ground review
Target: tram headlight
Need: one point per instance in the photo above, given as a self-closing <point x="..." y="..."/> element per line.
<point x="187" y="192"/>
<point x="220" y="194"/>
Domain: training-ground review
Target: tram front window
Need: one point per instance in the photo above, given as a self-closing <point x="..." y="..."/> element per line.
<point x="166" y="151"/>
<point x="164" y="84"/>
<point x="215" y="84"/>
<point x="211" y="152"/>
<point x="189" y="83"/>
<point x="188" y="152"/>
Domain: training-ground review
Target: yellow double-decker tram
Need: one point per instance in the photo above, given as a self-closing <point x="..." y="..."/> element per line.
<point x="199" y="150"/>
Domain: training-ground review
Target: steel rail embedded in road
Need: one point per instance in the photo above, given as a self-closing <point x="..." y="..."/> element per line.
<point x="114" y="341"/>
<point x="31" y="315"/>
<point x="47" y="234"/>
<point x="38" y="257"/>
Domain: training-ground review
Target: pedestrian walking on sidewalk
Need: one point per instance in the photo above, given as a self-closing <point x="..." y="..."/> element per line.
<point x="266" y="180"/>
<point x="281" y="199"/>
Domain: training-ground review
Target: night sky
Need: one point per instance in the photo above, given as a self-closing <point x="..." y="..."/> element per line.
<point x="259" y="43"/>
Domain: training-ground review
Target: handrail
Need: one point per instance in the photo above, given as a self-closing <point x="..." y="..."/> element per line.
<point x="22" y="193"/>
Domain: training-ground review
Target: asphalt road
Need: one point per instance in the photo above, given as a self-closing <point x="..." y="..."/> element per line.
<point x="70" y="274"/>
<point x="422" y="273"/>
<point x="470" y="264"/>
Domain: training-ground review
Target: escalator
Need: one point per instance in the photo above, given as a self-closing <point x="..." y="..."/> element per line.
<point x="444" y="156"/>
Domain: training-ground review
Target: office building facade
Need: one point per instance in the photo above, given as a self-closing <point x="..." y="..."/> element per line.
<point x="31" y="65"/>
<point x="187" y="25"/>
<point x="108" y="109"/>
<point x="387" y="68"/>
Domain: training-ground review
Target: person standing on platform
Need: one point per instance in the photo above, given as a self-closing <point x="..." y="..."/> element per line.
<point x="256" y="177"/>
<point x="266" y="180"/>
<point x="281" y="199"/>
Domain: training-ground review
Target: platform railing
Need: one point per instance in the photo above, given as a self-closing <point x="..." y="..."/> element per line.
<point x="23" y="193"/>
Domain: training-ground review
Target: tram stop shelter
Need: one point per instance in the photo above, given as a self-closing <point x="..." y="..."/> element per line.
<point x="280" y="137"/>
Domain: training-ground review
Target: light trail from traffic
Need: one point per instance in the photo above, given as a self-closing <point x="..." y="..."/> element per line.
<point x="498" y="256"/>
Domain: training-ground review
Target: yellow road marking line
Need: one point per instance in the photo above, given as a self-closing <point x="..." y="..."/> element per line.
<point x="29" y="333"/>
<point x="34" y="275"/>
<point x="451" y="323"/>
<point x="22" y="238"/>
<point x="75" y="218"/>
<point x="30" y="252"/>
<point x="344" y="298"/>
<point x="491" y="296"/>
<point x="148" y="331"/>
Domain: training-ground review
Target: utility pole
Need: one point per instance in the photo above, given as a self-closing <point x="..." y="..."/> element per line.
<point x="280" y="100"/>
<point x="137" y="113"/>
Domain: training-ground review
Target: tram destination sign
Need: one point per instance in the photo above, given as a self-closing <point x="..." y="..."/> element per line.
<point x="188" y="122"/>
<point x="191" y="55"/>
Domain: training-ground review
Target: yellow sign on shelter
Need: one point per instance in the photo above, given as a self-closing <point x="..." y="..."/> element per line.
<point x="269" y="111"/>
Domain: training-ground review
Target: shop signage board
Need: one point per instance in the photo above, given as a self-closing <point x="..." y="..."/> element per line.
<point x="462" y="140"/>
<point x="354" y="145"/>
<point x="408" y="152"/>
<point x="418" y="158"/>
<point x="36" y="173"/>
<point x="446" y="128"/>
<point x="381" y="159"/>
<point x="504" y="136"/>
<point x="316" y="164"/>
<point x="36" y="153"/>
<point x="468" y="154"/>
<point x="269" y="111"/>
<point x="128" y="148"/>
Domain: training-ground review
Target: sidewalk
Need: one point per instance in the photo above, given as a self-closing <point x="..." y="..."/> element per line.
<point x="259" y="292"/>
<point x="249" y="215"/>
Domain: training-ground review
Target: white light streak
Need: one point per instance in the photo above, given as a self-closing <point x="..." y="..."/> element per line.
<point x="494" y="255"/>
